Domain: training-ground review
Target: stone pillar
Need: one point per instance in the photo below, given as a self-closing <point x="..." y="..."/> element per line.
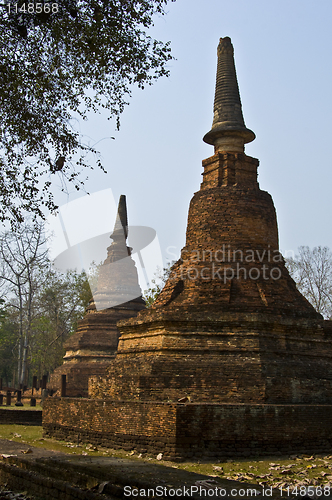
<point x="44" y="395"/>
<point x="63" y="386"/>
<point x="34" y="385"/>
<point x="18" y="400"/>
<point x="8" y="398"/>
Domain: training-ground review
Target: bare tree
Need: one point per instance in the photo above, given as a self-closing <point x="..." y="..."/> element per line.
<point x="312" y="272"/>
<point x="23" y="256"/>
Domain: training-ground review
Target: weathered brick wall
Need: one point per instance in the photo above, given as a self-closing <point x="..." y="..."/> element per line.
<point x="77" y="377"/>
<point x="109" y="423"/>
<point x="222" y="361"/>
<point x="186" y="430"/>
<point x="229" y="169"/>
<point x="255" y="429"/>
<point x="231" y="258"/>
<point x="21" y="417"/>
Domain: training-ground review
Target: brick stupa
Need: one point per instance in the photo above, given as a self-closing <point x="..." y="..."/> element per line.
<point x="231" y="359"/>
<point x="219" y="330"/>
<point x="93" y="346"/>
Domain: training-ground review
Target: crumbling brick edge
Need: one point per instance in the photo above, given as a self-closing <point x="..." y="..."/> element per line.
<point x="16" y="478"/>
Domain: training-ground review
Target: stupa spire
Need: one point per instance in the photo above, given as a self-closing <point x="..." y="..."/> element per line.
<point x="121" y="222"/>
<point x="91" y="349"/>
<point x="228" y="132"/>
<point x="118" y="249"/>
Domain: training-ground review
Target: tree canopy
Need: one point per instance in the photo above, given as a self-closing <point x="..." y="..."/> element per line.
<point x="63" y="59"/>
<point x="157" y="284"/>
<point x="311" y="270"/>
<point x="40" y="308"/>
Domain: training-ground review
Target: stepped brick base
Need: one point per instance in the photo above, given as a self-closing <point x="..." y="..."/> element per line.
<point x="234" y="359"/>
<point x="181" y="431"/>
<point x="92" y="348"/>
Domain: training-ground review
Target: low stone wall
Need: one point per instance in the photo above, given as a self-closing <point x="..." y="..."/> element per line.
<point x="247" y="430"/>
<point x="145" y="426"/>
<point x="20" y="417"/>
<point x="191" y="430"/>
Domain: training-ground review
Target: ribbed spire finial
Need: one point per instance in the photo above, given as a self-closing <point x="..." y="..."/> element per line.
<point x="228" y="132"/>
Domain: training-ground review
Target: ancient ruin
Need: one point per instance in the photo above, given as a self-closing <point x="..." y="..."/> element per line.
<point x="117" y="296"/>
<point x="231" y="359"/>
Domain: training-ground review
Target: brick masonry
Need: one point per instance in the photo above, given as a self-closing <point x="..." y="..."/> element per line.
<point x="91" y="349"/>
<point x="191" y="430"/>
<point x="219" y="338"/>
<point x="20" y="417"/>
<point x="247" y="362"/>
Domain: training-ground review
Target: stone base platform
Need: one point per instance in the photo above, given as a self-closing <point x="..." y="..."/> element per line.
<point x="192" y="430"/>
<point x="52" y="475"/>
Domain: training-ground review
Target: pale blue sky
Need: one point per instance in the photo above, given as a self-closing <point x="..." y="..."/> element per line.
<point x="283" y="58"/>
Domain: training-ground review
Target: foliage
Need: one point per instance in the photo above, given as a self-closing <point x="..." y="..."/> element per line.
<point x="60" y="63"/>
<point x="60" y="304"/>
<point x="312" y="272"/>
<point x="158" y="282"/>
<point x="8" y="335"/>
<point x="42" y="306"/>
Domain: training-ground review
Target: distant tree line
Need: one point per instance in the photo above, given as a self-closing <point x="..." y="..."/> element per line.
<point x="39" y="306"/>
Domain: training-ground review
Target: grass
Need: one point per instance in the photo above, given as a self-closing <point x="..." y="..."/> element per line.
<point x="21" y="408"/>
<point x="33" y="436"/>
<point x="30" y="433"/>
<point x="271" y="471"/>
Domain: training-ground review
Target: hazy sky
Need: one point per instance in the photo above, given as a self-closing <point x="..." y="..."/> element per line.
<point x="283" y="58"/>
